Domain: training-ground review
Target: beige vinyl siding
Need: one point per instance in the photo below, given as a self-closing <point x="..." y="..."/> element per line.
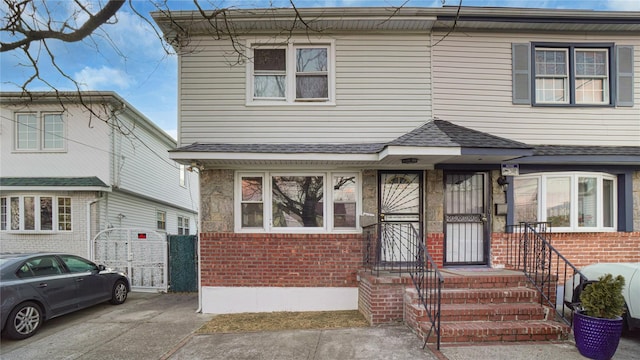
<point x="142" y="166"/>
<point x="472" y="87"/>
<point x="382" y="91"/>
<point x="141" y="213"/>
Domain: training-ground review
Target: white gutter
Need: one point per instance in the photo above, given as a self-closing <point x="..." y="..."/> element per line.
<point x="88" y="220"/>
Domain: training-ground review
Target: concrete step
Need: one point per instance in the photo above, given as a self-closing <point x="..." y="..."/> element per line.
<point x="499" y="331"/>
<point x="483" y="312"/>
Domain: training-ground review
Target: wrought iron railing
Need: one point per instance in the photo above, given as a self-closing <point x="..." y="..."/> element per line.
<point x="529" y="249"/>
<point x="398" y="247"/>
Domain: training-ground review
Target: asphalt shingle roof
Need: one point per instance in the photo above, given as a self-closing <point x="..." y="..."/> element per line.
<point x="561" y="150"/>
<point x="436" y="133"/>
<point x="441" y="133"/>
<point x="52" y="181"/>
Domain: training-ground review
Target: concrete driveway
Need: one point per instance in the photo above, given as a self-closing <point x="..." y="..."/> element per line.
<point x="161" y="326"/>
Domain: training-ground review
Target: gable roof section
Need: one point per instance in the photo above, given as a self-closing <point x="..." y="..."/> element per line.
<point x="434" y="142"/>
<point x="92" y="183"/>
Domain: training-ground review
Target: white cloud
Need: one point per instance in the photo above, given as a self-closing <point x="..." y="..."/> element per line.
<point x="103" y="78"/>
<point x="624" y="5"/>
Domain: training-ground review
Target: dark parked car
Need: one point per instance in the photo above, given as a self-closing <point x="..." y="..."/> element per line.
<point x="41" y="286"/>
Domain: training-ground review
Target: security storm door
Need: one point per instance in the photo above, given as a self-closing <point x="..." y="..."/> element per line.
<point x="466" y="225"/>
<point x="400" y="215"/>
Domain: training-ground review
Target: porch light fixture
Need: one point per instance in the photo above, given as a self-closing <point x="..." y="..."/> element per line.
<point x="409" y="160"/>
<point x="502" y="181"/>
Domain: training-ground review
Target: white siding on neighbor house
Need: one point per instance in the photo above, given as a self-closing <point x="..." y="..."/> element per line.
<point x="141" y="213"/>
<point x="383" y="90"/>
<point x="73" y="242"/>
<point x="87" y="147"/>
<point x="142" y="166"/>
<point x="472" y="87"/>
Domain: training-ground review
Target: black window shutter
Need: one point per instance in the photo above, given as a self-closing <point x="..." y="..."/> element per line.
<point x="521" y="73"/>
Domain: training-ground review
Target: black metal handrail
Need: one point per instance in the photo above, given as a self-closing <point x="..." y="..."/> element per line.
<point x="398" y="247"/>
<point x="529" y="249"/>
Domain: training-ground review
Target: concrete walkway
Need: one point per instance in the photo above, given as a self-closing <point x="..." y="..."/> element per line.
<point x="162" y="326"/>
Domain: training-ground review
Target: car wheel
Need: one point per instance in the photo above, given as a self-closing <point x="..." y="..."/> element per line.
<point x="119" y="293"/>
<point x="24" y="320"/>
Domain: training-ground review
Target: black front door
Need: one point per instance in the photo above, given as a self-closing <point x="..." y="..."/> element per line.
<point x="466" y="224"/>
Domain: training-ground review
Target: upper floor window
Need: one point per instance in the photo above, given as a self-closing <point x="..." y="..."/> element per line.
<point x="291" y="73"/>
<point x="35" y="213"/>
<point x="578" y="74"/>
<point x="569" y="201"/>
<point x="39" y="132"/>
<point x="570" y="75"/>
<point x="297" y="202"/>
<point x="183" y="225"/>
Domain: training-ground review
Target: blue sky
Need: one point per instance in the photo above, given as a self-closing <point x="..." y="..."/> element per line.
<point x="128" y="58"/>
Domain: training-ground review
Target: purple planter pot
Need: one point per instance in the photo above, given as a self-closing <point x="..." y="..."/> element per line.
<point x="596" y="338"/>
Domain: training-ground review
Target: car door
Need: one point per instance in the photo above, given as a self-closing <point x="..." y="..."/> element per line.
<point x="49" y="281"/>
<point x="92" y="287"/>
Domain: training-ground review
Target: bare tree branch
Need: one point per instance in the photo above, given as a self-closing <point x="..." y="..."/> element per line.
<point x="18" y="25"/>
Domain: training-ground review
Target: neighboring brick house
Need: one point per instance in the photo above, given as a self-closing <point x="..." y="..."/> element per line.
<point x="71" y="167"/>
<point x="455" y="124"/>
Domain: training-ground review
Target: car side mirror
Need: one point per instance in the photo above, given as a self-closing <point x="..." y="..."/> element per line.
<point x="101" y="267"/>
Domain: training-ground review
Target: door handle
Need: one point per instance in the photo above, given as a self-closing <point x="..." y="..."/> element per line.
<point x="483" y="218"/>
<point x="43" y="285"/>
<point x="79" y="279"/>
<point x="381" y="217"/>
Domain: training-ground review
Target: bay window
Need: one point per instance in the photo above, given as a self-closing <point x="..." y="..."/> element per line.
<point x="296" y="202"/>
<point x="568" y="201"/>
<point x="35" y="213"/>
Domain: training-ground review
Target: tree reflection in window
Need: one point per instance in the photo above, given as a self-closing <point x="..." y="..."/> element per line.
<point x="297" y="201"/>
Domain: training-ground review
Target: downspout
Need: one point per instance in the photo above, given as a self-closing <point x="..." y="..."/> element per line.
<point x="89" y="221"/>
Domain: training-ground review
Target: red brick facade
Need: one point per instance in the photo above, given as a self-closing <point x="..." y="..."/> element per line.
<point x="581" y="248"/>
<point x="280" y="260"/>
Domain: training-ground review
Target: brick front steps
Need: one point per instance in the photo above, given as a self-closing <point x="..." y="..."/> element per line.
<point x="482" y="305"/>
<point x="486" y="306"/>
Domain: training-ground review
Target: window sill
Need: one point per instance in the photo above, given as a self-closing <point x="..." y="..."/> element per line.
<point x="36" y="232"/>
<point x="288" y="104"/>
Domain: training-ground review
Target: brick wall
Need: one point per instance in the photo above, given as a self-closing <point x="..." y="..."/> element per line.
<point x="381" y="299"/>
<point x="581" y="248"/>
<point x="280" y="260"/>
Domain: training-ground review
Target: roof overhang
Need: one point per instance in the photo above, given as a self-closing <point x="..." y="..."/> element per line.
<point x="406" y="19"/>
<point x="627" y="160"/>
<point x="55" y="188"/>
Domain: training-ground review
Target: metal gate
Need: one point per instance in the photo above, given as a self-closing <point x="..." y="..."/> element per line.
<point x="183" y="263"/>
<point x="400" y="214"/>
<point x="466" y="224"/>
<point x="140" y="253"/>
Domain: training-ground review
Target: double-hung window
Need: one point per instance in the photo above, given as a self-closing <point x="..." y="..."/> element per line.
<point x="291" y="73"/>
<point x="161" y="220"/>
<point x="568" y="201"/>
<point x="297" y="202"/>
<point x="573" y="74"/>
<point x="35" y="213"/>
<point x="183" y="225"/>
<point x="39" y="132"/>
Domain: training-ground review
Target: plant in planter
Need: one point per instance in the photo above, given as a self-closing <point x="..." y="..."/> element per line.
<point x="598" y="325"/>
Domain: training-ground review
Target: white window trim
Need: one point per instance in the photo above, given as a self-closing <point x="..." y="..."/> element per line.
<point x="40" y="133"/>
<point x="186" y="224"/>
<point x="566" y="77"/>
<point x="37" y="230"/>
<point x="290" y="96"/>
<point x="158" y="211"/>
<point x="605" y="79"/>
<point x="570" y="85"/>
<point x="267" y="227"/>
<point x="574" y="176"/>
